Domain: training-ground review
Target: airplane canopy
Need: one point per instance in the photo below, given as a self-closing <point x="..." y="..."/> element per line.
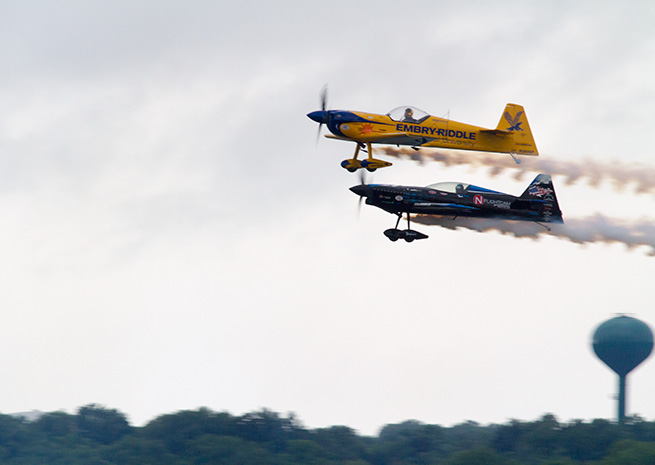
<point x="407" y="114"/>
<point x="452" y="187"/>
<point x="460" y="188"/>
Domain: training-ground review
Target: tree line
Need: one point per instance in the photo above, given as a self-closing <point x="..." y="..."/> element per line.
<point x="96" y="435"/>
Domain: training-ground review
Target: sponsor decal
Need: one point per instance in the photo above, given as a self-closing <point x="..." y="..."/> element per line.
<point x="478" y="200"/>
<point x="539" y="191"/>
<point x="366" y="128"/>
<point x="504" y="204"/>
<point x="434" y="131"/>
<point x="399" y="198"/>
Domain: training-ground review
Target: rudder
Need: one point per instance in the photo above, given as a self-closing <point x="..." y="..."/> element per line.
<point x="515" y="120"/>
<point x="542" y="191"/>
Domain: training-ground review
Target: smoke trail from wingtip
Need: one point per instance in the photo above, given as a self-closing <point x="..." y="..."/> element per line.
<point x="593" y="171"/>
<point x="593" y="229"/>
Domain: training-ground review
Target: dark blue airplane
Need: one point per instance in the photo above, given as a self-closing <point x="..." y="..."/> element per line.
<point x="538" y="203"/>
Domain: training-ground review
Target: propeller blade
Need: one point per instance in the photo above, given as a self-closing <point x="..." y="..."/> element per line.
<point x="362" y="182"/>
<point x="323" y="101"/>
<point x="318" y="134"/>
<point x="324" y="93"/>
<point x="362" y="177"/>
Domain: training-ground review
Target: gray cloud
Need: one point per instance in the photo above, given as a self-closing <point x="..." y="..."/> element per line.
<point x="168" y="218"/>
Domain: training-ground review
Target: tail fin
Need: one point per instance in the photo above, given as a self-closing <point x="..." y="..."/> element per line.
<point x="542" y="193"/>
<point x="514" y="120"/>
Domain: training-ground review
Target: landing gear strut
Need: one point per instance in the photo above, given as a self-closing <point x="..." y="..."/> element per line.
<point x="408" y="234"/>
<point x="371" y="164"/>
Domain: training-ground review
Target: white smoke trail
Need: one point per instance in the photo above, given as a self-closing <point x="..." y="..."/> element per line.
<point x="592" y="229"/>
<point x="593" y="171"/>
<point x="597" y="228"/>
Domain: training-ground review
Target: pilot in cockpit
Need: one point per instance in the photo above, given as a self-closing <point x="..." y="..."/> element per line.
<point x="409" y="116"/>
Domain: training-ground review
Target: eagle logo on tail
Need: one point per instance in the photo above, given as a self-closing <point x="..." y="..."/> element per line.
<point x="515" y="124"/>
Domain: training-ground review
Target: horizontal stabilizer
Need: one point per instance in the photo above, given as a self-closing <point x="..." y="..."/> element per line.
<point x="496" y="132"/>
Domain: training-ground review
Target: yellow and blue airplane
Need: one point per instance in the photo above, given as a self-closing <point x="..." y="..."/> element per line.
<point x="413" y="127"/>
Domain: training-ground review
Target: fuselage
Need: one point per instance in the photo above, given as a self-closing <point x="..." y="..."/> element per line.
<point x="456" y="199"/>
<point x="423" y="130"/>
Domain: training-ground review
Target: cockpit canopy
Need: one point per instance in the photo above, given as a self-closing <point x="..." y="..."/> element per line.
<point x="452" y="187"/>
<point x="460" y="188"/>
<point x="408" y="114"/>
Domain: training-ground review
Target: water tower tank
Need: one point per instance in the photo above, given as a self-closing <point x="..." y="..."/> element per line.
<point x="622" y="343"/>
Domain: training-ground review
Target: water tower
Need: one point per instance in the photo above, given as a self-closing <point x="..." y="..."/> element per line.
<point x="622" y="343"/>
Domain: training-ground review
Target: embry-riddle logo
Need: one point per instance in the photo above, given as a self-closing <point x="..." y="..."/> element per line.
<point x="515" y="124"/>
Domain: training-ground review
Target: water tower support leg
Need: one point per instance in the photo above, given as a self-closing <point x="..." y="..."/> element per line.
<point x="621" y="399"/>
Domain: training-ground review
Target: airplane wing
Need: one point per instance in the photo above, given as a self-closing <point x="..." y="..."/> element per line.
<point x="372" y="137"/>
<point x="445" y="205"/>
<point x="392" y="138"/>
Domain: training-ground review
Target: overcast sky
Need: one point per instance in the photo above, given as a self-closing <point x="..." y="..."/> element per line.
<point x="173" y="237"/>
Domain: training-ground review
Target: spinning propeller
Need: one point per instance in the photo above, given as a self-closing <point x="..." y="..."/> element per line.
<point x="324" y="98"/>
<point x="361" y="190"/>
<point x="321" y="116"/>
